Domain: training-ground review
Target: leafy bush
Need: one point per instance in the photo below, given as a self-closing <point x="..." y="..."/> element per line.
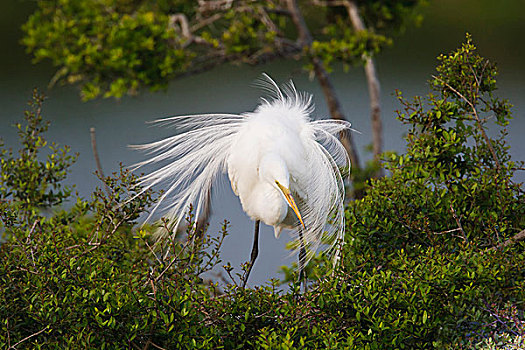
<point x="427" y="261"/>
<point x="112" y="48"/>
<point x="428" y="228"/>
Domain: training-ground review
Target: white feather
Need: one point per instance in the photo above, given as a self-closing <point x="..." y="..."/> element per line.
<point x="279" y="140"/>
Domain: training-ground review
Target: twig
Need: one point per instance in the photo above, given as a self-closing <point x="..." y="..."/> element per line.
<point x="265" y="18"/>
<point x="228" y="271"/>
<point x="447" y="231"/>
<point x="156" y="346"/>
<point x="166" y="269"/>
<point x="458" y="221"/>
<point x="480" y="126"/>
<point x="516" y="238"/>
<point x="8" y="335"/>
<point x="151" y="250"/>
<point x="103" y="239"/>
<point x="97" y="159"/>
<point x="175" y="258"/>
<point x="214" y="5"/>
<point x="29" y="237"/>
<point x="205" y="22"/>
<point x="28" y="337"/>
<point x="183" y="23"/>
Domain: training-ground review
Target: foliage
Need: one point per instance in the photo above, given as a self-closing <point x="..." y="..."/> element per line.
<point x="82" y="277"/>
<point x="116" y="47"/>
<point x="27" y="181"/>
<point x="417" y="271"/>
<point x="428" y="228"/>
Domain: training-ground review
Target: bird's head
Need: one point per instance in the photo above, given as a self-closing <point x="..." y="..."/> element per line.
<point x="274" y="170"/>
<point x="291" y="202"/>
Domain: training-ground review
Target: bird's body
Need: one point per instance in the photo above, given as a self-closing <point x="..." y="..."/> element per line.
<point x="269" y="147"/>
<point x="284" y="167"/>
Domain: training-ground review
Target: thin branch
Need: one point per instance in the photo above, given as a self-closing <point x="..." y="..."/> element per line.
<point x="447" y="231"/>
<point x="29" y="238"/>
<point x="478" y="121"/>
<point x="458" y="222"/>
<point x="28" y="337"/>
<point x="97" y="159"/>
<point x="516" y="238"/>
<point x="278" y="11"/>
<point x="151" y="251"/>
<point x="205" y="22"/>
<point x="266" y="20"/>
<point x="175" y="257"/>
<point x="183" y="24"/>
<point x="371" y="76"/>
<point x="214" y="5"/>
<point x="156" y="346"/>
<point x="228" y="271"/>
<point x="372" y="81"/>
<point x="96" y="245"/>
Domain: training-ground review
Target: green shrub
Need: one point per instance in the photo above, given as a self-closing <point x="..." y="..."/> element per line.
<point x="423" y="265"/>
<point x="421" y="236"/>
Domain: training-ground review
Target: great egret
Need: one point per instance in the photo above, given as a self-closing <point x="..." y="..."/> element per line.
<point x="286" y="169"/>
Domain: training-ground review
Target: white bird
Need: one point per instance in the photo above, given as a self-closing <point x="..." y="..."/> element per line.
<point x="287" y="169"/>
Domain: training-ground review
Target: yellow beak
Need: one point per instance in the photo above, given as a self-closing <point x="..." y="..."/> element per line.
<point x="291" y="202"/>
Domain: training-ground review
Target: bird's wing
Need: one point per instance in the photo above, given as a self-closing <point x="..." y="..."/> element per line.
<point x="323" y="207"/>
<point x="190" y="161"/>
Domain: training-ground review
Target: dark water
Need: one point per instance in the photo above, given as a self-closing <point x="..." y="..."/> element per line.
<point x="497" y="28"/>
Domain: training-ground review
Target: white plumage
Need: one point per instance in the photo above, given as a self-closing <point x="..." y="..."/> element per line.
<point x="267" y="152"/>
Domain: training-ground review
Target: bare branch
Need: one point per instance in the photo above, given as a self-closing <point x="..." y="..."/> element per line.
<point x="157" y="346"/>
<point x="29" y="337"/>
<point x="447" y="231"/>
<point x="205" y="22"/>
<point x="371" y="75"/>
<point x="267" y="21"/>
<point x="516" y="238"/>
<point x="97" y="159"/>
<point x="305" y="40"/>
<point x="29" y="238"/>
<point x="458" y="222"/>
<point x="214" y="5"/>
<point x="373" y="84"/>
<point x="183" y="24"/>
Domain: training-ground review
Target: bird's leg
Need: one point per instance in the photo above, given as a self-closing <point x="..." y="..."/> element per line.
<point x="255" y="252"/>
<point x="302" y="259"/>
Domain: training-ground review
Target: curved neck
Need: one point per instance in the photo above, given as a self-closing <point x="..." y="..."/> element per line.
<point x="273" y="168"/>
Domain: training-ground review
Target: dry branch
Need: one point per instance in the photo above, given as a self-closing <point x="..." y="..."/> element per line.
<point x="305" y="40"/>
<point x="371" y="76"/>
<point x="516" y="238"/>
<point x="97" y="159"/>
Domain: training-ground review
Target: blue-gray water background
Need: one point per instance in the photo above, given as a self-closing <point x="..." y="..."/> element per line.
<point x="498" y="29"/>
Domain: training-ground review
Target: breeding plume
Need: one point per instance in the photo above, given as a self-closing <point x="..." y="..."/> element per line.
<point x="286" y="168"/>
